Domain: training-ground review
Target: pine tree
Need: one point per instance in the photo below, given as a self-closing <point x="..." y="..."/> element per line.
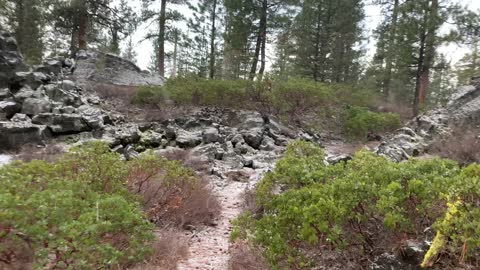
<point x="27" y="20"/>
<point x="239" y="27"/>
<point x="204" y="26"/>
<point x="326" y="34"/>
<point x="469" y="33"/>
<point x="160" y="17"/>
<point x="85" y="21"/>
<point x="409" y="54"/>
<point x="129" y="53"/>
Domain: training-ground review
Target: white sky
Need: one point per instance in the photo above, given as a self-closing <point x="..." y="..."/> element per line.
<point x="144" y="49"/>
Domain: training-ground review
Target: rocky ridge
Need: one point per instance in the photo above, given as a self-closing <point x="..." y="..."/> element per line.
<point x="98" y="67"/>
<point x="414" y="139"/>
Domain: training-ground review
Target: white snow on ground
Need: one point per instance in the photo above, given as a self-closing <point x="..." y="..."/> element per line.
<point x="4" y="159"/>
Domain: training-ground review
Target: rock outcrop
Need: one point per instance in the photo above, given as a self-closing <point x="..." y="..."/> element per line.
<point x="38" y="103"/>
<point x="463" y="109"/>
<point x="110" y="69"/>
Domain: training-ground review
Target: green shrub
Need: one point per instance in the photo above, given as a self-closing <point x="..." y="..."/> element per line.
<point x="299" y="96"/>
<point x="150" y="95"/>
<point x="290" y="99"/>
<point x="355" y="206"/>
<point x="75" y="213"/>
<point x="359" y="122"/>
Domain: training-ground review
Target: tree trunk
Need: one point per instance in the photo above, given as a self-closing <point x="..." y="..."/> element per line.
<point x="161" y="38"/>
<point x="82" y="26"/>
<point x="174" y="68"/>
<point x="429" y="55"/>
<point x="317" y="46"/>
<point x="418" y="76"/>
<point x="212" y="40"/>
<point x="262" y="33"/>
<point x="391" y="44"/>
<point x="262" y="55"/>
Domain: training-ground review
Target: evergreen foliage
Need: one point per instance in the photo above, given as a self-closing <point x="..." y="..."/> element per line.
<point x="355" y="206"/>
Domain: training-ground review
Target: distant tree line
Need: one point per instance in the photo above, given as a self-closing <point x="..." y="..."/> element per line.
<point x="235" y="39"/>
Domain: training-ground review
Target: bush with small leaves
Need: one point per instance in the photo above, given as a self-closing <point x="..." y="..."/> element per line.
<point x="360" y="122"/>
<point x="75" y="213"/>
<point x="310" y="208"/>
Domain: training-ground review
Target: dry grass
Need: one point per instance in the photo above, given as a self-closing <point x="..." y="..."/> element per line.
<point x="111" y="92"/>
<point x="121" y="99"/>
<point x="170" y="248"/>
<point x="462" y="146"/>
<point x="197" y="164"/>
<point x="14" y="255"/>
<point x="50" y="153"/>
<point x="244" y="257"/>
<point x="173" y="195"/>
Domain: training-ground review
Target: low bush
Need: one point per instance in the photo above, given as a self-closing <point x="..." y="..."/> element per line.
<point x="360" y="207"/>
<point x="360" y="122"/>
<point x="290" y="99"/>
<point x="84" y="210"/>
<point x="245" y="257"/>
<point x="75" y="213"/>
<point x="170" y="248"/>
<point x="171" y="193"/>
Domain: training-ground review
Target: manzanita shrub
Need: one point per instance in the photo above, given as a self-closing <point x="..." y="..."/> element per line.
<point x="361" y="207"/>
<point x="80" y="212"/>
<point x="359" y="122"/>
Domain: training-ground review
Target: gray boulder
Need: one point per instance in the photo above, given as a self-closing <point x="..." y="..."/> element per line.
<point x="212" y="151"/>
<point x="187" y="139"/>
<point x="210" y="135"/>
<point x="243" y="148"/>
<point x="10" y="59"/>
<point x="31" y="79"/>
<point x="62" y="123"/>
<point x="332" y="160"/>
<point x="66" y="97"/>
<point x="122" y="134"/>
<point x="267" y="144"/>
<point x="151" y="138"/>
<point x="34" y="106"/>
<point x="20" y="117"/>
<point x="68" y="85"/>
<point x="236" y="139"/>
<point x="5" y="94"/>
<point x="253" y="137"/>
<point x="94" y="117"/>
<point x="9" y="109"/>
<point x="388" y="261"/>
<point x="110" y="69"/>
<point x="26" y="92"/>
<point x="17" y="134"/>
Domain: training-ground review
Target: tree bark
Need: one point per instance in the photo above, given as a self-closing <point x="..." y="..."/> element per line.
<point x="262" y="33"/>
<point x="161" y="39"/>
<point x="429" y="55"/>
<point x="174" y="68"/>
<point x="212" y="40"/>
<point x="82" y="26"/>
<point x="391" y="44"/>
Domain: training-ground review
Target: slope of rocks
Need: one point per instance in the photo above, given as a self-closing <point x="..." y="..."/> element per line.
<point x="463" y="110"/>
<point x="108" y="68"/>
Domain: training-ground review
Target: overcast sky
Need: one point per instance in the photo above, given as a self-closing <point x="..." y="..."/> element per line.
<point x="144" y="49"/>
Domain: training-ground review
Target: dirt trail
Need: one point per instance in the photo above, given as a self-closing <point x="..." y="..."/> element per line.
<point x="209" y="246"/>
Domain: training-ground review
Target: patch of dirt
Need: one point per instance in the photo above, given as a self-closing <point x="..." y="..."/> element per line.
<point x="208" y="247"/>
